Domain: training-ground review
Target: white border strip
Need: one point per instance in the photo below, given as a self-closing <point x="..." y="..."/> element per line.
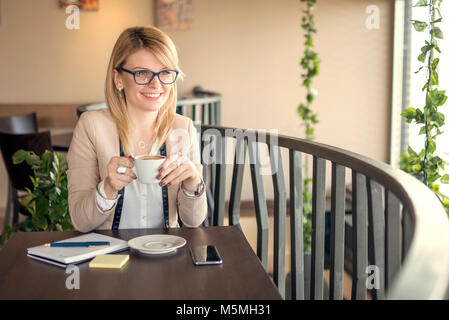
<point x="396" y="99"/>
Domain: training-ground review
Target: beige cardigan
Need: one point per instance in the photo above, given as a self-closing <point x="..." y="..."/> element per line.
<point x="95" y="140"/>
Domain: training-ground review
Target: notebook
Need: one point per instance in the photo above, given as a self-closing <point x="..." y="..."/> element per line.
<point x="63" y="256"/>
<point x="115" y="261"/>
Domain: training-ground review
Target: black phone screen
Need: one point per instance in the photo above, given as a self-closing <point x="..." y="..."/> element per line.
<point x="206" y="254"/>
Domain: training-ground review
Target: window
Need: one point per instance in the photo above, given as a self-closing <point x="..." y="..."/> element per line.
<point x="407" y="86"/>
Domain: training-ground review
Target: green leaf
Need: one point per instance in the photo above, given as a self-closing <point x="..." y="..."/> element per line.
<point x="435" y="188"/>
<point x="445" y="179"/>
<point x="28" y="225"/>
<point x="417" y="167"/>
<point x="421" y="3"/>
<point x="307" y="83"/>
<point x="431" y="146"/>
<point x="57" y="159"/>
<point x="47" y="158"/>
<point x="419" y="118"/>
<point x="66" y="225"/>
<point x="303" y="111"/>
<point x="53" y="216"/>
<point x="422" y="57"/>
<point x="419" y="70"/>
<point x="432" y="176"/>
<point x="411" y="151"/>
<point x="310" y="97"/>
<point x="419" y="25"/>
<point x="64" y="193"/>
<point x="309" y="132"/>
<point x="437" y="161"/>
<point x="434" y="78"/>
<point x="42" y="206"/>
<point x="39" y="222"/>
<point x="437" y="32"/>
<point x="409" y="112"/>
<point x="422" y="130"/>
<point x="309" y="42"/>
<point x="438" y="117"/>
<point x="437" y="97"/>
<point x="32" y="159"/>
<point x="435" y="63"/>
<point x="19" y="156"/>
<point x="426" y="48"/>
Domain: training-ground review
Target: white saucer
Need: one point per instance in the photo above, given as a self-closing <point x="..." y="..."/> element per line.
<point x="156" y="243"/>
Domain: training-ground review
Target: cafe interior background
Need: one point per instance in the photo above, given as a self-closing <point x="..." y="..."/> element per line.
<point x="248" y="51"/>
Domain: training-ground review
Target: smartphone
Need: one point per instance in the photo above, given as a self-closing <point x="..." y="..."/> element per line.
<point x="205" y="255"/>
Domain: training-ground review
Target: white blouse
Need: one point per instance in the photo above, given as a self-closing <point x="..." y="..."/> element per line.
<point x="142" y="203"/>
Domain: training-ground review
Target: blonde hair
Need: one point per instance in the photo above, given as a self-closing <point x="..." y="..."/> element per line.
<point x="130" y="41"/>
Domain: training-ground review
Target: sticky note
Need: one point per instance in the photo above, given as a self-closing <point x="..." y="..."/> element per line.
<point x="116" y="261"/>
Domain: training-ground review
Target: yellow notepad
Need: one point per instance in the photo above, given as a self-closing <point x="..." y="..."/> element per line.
<point x="109" y="261"/>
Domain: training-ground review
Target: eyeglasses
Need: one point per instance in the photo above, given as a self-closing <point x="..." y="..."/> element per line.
<point x="143" y="77"/>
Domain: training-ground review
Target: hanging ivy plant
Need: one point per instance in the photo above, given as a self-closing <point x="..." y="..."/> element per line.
<point x="425" y="164"/>
<point x="310" y="65"/>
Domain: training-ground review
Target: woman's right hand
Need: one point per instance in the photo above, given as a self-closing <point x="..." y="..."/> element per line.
<point x="115" y="181"/>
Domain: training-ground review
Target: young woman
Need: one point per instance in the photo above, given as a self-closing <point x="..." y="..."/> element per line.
<point x="140" y="119"/>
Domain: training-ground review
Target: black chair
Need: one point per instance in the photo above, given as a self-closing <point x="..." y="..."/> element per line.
<point x="19" y="124"/>
<point x="19" y="175"/>
<point x="23" y="123"/>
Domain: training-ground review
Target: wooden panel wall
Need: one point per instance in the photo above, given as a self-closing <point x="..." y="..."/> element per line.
<point x="51" y="115"/>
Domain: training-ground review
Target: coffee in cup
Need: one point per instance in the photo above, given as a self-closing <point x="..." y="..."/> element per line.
<point x="147" y="168"/>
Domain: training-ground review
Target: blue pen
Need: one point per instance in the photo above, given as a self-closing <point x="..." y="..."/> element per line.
<point x="78" y="244"/>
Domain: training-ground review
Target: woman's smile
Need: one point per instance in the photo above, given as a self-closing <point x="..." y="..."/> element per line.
<point x="153" y="96"/>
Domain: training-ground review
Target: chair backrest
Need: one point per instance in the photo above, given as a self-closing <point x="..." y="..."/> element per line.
<point x="23" y="123"/>
<point x="37" y="142"/>
<point x="204" y="107"/>
<point x="399" y="228"/>
<point x="89" y="107"/>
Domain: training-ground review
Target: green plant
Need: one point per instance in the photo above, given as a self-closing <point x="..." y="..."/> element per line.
<point x="310" y="64"/>
<point x="425" y="164"/>
<point x="47" y="203"/>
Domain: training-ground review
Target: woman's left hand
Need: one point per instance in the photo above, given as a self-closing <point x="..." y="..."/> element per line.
<point x="179" y="169"/>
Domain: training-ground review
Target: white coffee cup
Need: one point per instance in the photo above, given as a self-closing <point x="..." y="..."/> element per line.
<point x="147" y="168"/>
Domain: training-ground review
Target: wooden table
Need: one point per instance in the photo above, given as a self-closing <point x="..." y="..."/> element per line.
<point x="172" y="276"/>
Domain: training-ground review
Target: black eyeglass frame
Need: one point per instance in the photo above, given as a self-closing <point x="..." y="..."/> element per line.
<point x="155" y="74"/>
